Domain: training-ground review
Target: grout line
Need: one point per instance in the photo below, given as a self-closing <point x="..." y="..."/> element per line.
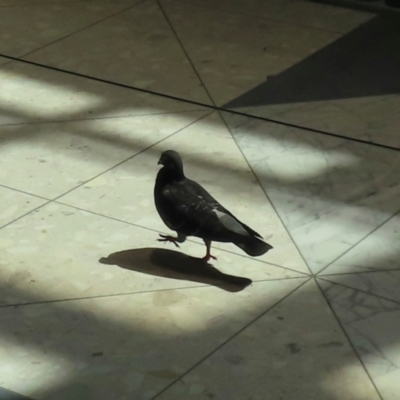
<point x="129" y="158"/>
<point x="200" y="104"/>
<point x="358" y="242"/>
<point x="24" y="192"/>
<point x="24" y="215"/>
<point x="201" y="286"/>
<point x="97" y="297"/>
<point x="359" y="290"/>
<point x="96" y="176"/>
<point x="101" y="296"/>
<point x="82" y="29"/>
<point x="185" y="52"/>
<point x="279" y="279"/>
<point x="100" y="118"/>
<point x="265" y="194"/>
<point x="369" y="271"/>
<point x="348" y="338"/>
<point x="228" y="340"/>
<point x="189" y="240"/>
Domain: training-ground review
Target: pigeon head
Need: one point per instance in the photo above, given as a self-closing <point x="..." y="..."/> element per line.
<point x="172" y="161"/>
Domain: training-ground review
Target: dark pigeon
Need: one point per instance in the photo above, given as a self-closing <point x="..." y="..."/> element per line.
<point x="187" y="208"/>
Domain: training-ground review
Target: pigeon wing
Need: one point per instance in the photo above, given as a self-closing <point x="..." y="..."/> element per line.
<point x="195" y="212"/>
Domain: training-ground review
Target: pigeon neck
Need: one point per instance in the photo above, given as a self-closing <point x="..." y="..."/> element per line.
<point x="174" y="174"/>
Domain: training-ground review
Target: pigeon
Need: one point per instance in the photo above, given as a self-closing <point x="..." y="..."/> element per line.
<point x="189" y="210"/>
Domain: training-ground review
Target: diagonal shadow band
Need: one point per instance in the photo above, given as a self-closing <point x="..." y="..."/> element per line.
<point x="362" y="63"/>
<point x="9" y="395"/>
<point x="175" y="265"/>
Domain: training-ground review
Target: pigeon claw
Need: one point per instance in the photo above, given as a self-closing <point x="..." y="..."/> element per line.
<point x="207" y="257"/>
<point x="166" y="238"/>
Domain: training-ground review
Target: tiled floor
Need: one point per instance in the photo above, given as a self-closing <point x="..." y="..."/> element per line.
<point x="287" y="112"/>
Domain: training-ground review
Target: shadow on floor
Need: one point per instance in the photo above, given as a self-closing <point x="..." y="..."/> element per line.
<point x="175" y="265"/>
<point x="345" y="69"/>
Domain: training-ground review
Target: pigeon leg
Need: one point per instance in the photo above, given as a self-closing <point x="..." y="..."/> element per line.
<point x="208" y="254"/>
<point x="166" y="238"/>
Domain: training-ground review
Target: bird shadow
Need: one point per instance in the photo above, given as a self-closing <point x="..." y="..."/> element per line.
<point x="175" y="265"/>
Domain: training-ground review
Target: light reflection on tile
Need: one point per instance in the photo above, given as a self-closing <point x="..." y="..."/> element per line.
<point x="57" y="249"/>
<point x="372" y="324"/>
<point x="136" y="47"/>
<point x="288" y="341"/>
<point x="55" y="96"/>
<point x="122" y="347"/>
<point x="381" y="283"/>
<point x="53" y="158"/>
<point x="212" y="158"/>
<point x="329" y="192"/>
<point x="378" y="251"/>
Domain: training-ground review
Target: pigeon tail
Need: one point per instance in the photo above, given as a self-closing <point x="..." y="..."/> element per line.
<point x="253" y="246"/>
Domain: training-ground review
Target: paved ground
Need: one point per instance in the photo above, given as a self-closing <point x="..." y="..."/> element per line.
<point x="287" y="112"/>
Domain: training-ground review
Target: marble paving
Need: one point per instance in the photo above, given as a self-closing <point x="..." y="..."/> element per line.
<point x="287" y="112"/>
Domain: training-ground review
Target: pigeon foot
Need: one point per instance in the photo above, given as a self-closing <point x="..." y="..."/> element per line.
<point x="207" y="257"/>
<point x="166" y="238"/>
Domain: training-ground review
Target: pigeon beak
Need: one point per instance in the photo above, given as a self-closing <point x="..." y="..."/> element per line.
<point x="159" y="162"/>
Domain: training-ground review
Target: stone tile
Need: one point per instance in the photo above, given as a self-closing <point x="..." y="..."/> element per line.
<point x="17" y="3"/>
<point x="136" y="47"/>
<point x="288" y="341"/>
<point x="4" y="60"/>
<point x="14" y="204"/>
<point x="53" y="158"/>
<point x="345" y="88"/>
<point x="8" y="395"/>
<point x="378" y="251"/>
<point x="382" y="283"/>
<point x="297" y="12"/>
<point x="31" y="94"/>
<point x="65" y="253"/>
<point x="122" y="347"/>
<point x="372" y="325"/>
<point x="329" y="192"/>
<point x="30" y="27"/>
<point x="212" y="158"/>
<point x="230" y="67"/>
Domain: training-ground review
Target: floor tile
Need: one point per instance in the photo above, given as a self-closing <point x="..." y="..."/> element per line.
<point x="14" y="204"/>
<point x="136" y="47"/>
<point x="31" y="93"/>
<point x="65" y="253"/>
<point x="8" y="395"/>
<point x="329" y="192"/>
<point x="382" y="283"/>
<point x="230" y="67"/>
<point x="288" y="341"/>
<point x="53" y="158"/>
<point x="122" y="347"/>
<point x="347" y="88"/>
<point x="372" y="325"/>
<point x="378" y="251"/>
<point x="303" y="13"/>
<point x="373" y="6"/>
<point x="213" y="159"/>
<point x="16" y="3"/>
<point x="4" y="60"/>
<point x="30" y="27"/>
